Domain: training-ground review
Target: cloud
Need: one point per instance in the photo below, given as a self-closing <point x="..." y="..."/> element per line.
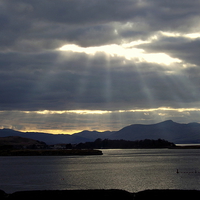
<point x="182" y="47"/>
<point x="73" y="121"/>
<point x="119" y="56"/>
<point x="51" y="81"/>
<point x="38" y="25"/>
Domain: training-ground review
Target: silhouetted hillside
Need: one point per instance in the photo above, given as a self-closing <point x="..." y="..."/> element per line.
<point x="168" y="130"/>
<point x="17" y="142"/>
<point x="93" y="135"/>
<point x="45" y="137"/>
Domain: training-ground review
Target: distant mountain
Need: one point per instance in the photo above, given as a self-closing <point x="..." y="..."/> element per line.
<point x="93" y="135"/>
<point x="45" y="137"/>
<point x="167" y="130"/>
<point x="84" y="136"/>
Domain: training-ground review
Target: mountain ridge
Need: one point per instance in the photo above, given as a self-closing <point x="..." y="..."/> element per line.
<point x="168" y="130"/>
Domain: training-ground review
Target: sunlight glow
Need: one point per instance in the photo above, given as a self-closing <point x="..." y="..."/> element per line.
<point x="82" y="112"/>
<point x="175" y="34"/>
<point x="100" y="112"/>
<point x="100" y="120"/>
<point x="193" y="35"/>
<point x="170" y="34"/>
<point x="112" y="50"/>
<point x="138" y="42"/>
<point x="126" y="50"/>
<point x="53" y="131"/>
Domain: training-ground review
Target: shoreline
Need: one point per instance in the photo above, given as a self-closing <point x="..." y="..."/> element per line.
<point x="50" y="152"/>
<point x="102" y="194"/>
<point x="186" y="147"/>
<point x="71" y="152"/>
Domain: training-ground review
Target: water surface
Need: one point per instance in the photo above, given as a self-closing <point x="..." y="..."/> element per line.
<point x="132" y="170"/>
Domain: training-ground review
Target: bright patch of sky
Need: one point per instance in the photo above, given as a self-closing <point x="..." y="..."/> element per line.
<point x="101" y="112"/>
<point x="130" y="51"/>
<point x="126" y="50"/>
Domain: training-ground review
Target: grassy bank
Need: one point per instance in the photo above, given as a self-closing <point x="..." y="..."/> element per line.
<point x="49" y="152"/>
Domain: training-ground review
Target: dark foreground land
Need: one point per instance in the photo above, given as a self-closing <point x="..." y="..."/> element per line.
<point x="50" y="152"/>
<point x="102" y="194"/>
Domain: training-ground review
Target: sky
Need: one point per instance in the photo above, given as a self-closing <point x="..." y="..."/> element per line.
<point x="73" y="65"/>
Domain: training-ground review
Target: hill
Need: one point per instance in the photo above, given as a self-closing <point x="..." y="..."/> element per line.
<point x="167" y="130"/>
<point x="45" y="137"/>
<point x="16" y="140"/>
<point x="93" y="135"/>
<point x="84" y="136"/>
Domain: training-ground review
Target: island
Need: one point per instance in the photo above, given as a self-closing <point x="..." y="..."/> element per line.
<point x="126" y="144"/>
<point x="19" y="146"/>
<point x="50" y="152"/>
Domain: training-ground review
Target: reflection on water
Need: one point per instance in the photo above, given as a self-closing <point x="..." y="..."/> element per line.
<point x="131" y="170"/>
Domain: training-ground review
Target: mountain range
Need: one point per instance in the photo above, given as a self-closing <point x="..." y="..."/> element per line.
<point x="168" y="130"/>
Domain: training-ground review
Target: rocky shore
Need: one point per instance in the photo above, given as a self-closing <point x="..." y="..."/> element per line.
<point x="101" y="194"/>
<point x="50" y="152"/>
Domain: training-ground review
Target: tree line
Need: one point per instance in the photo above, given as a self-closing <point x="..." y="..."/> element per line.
<point x="124" y="144"/>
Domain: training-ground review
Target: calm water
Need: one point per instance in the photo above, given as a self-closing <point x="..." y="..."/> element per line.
<point x="131" y="170"/>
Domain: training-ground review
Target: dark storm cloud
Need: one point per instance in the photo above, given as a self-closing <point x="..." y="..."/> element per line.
<point x="33" y="25"/>
<point x="58" y="21"/>
<point x="34" y="76"/>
